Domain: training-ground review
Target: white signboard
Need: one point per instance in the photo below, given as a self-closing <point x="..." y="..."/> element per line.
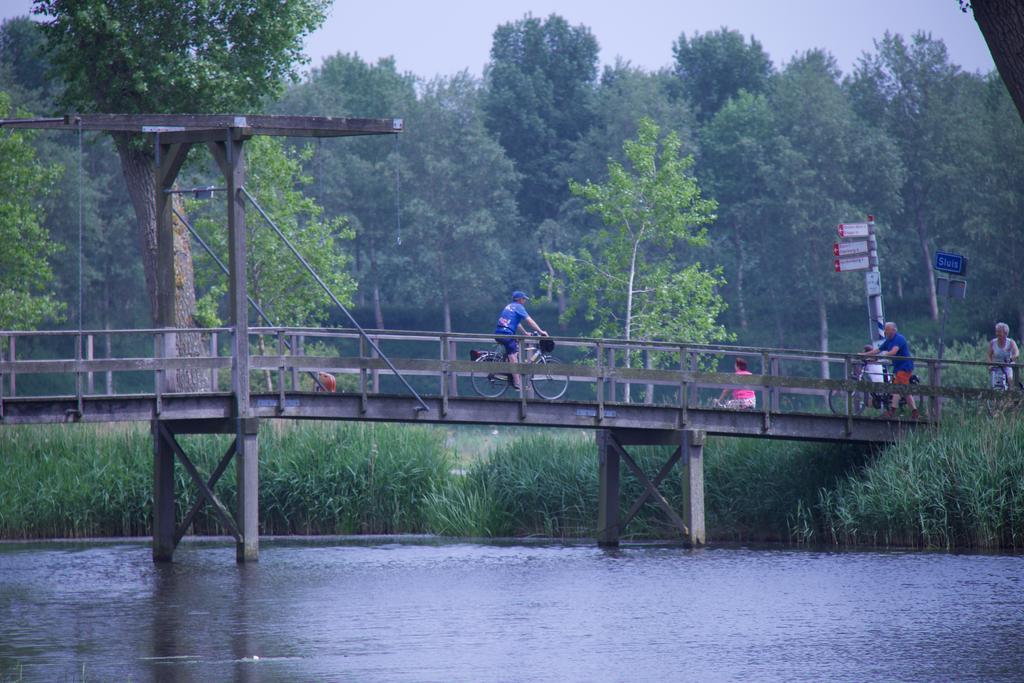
<point x="849" y="248"/>
<point x="843" y="265"/>
<point x="873" y="283"/>
<point x="854" y="230"/>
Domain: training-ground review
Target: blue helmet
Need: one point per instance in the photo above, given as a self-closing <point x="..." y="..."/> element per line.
<point x="518" y="294"/>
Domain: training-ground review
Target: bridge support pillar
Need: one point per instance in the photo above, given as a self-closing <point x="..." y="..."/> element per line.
<point x="247" y="548"/>
<point x="693" y="485"/>
<point x="163" y="497"/>
<point x="608" y="490"/>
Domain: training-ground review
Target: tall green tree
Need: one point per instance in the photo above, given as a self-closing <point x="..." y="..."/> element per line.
<point x="277" y="282"/>
<point x="713" y="67"/>
<point x="26" y="271"/>
<point x="737" y="167"/>
<point x="624" y="95"/>
<point x="461" y="212"/>
<point x="171" y="56"/>
<point x="995" y="217"/>
<point x="356" y="177"/>
<point x="832" y="167"/>
<point x="934" y="112"/>
<point x="628" y="278"/>
<point x="540" y="85"/>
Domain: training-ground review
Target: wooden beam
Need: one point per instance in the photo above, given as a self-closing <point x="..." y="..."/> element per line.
<point x="676" y="520"/>
<point x="196" y="127"/>
<point x="222" y="465"/>
<point x="608" y="490"/>
<point x="197" y="479"/>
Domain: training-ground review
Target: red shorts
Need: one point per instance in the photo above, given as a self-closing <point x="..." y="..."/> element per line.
<point x="902" y="377"/>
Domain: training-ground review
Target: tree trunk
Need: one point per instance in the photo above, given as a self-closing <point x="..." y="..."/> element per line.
<point x="378" y="312"/>
<point x="823" y="332"/>
<point x="933" y="300"/>
<point x="138" y="167"/>
<point x="1002" y="24"/>
<point x="741" y="309"/>
<point x="189" y="344"/>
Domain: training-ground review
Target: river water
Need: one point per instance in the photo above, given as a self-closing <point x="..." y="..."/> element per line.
<point x="425" y="609"/>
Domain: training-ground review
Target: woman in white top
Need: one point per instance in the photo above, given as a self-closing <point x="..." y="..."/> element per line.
<point x="1003" y="351"/>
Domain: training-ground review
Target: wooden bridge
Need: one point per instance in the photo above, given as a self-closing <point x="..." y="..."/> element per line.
<point x="629" y="393"/>
<point x="59" y="377"/>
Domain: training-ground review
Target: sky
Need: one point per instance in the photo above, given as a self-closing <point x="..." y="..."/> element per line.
<point x="443" y="37"/>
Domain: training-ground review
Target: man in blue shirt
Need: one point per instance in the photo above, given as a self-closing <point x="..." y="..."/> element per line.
<point x="896" y="345"/>
<point x="510" y="322"/>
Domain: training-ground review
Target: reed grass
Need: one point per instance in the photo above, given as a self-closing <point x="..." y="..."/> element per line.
<point x="960" y="486"/>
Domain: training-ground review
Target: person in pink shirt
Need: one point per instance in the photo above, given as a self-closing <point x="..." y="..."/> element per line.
<point x="742" y="398"/>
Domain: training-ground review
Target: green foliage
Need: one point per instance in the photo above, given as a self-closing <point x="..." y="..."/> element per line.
<point x="26" y="250"/>
<point x="628" y="278"/>
<point x="174" y="56"/>
<point x="540" y="83"/>
<point x="277" y="281"/>
<point x="715" y="66"/>
<point x="460" y="197"/>
<point x="959" y="487"/>
<point x="356" y="177"/>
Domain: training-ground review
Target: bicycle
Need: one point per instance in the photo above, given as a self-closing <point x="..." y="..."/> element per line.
<point x="837" y="398"/>
<point x="998" y="381"/>
<point x="550" y="383"/>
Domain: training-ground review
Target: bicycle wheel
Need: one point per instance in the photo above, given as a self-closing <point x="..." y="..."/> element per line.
<point x="550" y="383"/>
<point x="837" y="400"/>
<point x="490" y="384"/>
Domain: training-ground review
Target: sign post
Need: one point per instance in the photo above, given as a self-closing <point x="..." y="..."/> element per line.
<point x="860" y="252"/>
<point x="950" y="283"/>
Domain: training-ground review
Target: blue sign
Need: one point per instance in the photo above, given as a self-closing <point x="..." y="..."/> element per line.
<point x="950" y="263"/>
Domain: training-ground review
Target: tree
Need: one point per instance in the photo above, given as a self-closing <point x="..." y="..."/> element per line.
<point x="933" y="110"/>
<point x="828" y="167"/>
<point x="24" y="65"/>
<point x="355" y="177"/>
<point x="25" y="246"/>
<point x="540" y="82"/>
<point x="995" y="223"/>
<point x="171" y="56"/>
<point x="462" y="215"/>
<point x="624" y="96"/>
<point x="1002" y="24"/>
<point x="277" y="282"/>
<point x="629" y="278"/>
<point x="737" y="164"/>
<point x="714" y="66"/>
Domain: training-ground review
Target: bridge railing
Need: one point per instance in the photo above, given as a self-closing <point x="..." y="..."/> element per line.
<point x="604" y="371"/>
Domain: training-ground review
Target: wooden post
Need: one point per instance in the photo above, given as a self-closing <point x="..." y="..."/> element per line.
<point x="776" y="391"/>
<point x="608" y="490"/>
<point x="163" y="496"/>
<point x="296" y="351"/>
<point x="213" y="354"/>
<point x="693" y="485"/>
<point x="11" y="355"/>
<point x="90" y="385"/>
<point x="110" y="373"/>
<point x="247" y="475"/>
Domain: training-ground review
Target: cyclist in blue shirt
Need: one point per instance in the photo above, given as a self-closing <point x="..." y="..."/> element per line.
<point x="510" y="322"/>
